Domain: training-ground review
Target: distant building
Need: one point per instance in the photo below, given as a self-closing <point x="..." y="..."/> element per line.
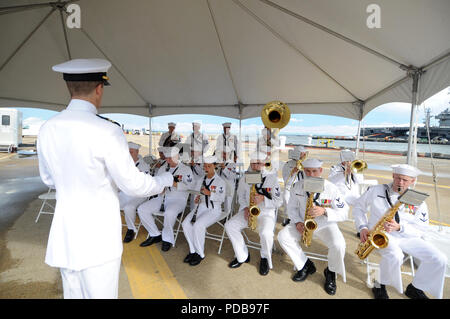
<point x="10" y="128"/>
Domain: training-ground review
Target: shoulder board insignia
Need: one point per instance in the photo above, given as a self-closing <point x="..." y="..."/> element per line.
<point x="107" y="119"/>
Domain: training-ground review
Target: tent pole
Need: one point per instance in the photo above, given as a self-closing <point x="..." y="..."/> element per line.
<point x="358" y="136"/>
<point x="150" y="139"/>
<point x="240" y="138"/>
<point x="412" y="141"/>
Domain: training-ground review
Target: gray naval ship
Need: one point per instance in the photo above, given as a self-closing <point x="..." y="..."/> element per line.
<point x="438" y="134"/>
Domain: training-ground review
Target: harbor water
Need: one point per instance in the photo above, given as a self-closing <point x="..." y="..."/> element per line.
<point x="378" y="146"/>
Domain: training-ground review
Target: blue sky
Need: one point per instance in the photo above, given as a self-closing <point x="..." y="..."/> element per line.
<point x="302" y="124"/>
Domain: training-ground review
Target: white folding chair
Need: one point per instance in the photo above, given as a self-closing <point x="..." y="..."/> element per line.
<point x="46" y="197"/>
<point x="225" y="215"/>
<point x="136" y="224"/>
<point x="257" y="245"/>
<point x="159" y="216"/>
<point x="219" y="237"/>
<point x="373" y="270"/>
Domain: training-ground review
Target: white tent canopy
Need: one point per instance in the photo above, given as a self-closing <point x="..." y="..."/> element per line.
<point x="229" y="57"/>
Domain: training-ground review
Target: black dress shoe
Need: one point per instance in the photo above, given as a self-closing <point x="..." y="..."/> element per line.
<point x="129" y="236"/>
<point x="188" y="258"/>
<point x="166" y="246"/>
<point x="415" y="293"/>
<point x="380" y="293"/>
<point x="263" y="267"/>
<point x="150" y="241"/>
<point x="195" y="260"/>
<point x="308" y="269"/>
<point x="330" y="281"/>
<point x="235" y="263"/>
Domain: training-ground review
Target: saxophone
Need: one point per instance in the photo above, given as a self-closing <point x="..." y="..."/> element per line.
<point x="253" y="209"/>
<point x="377" y="237"/>
<point x="310" y="225"/>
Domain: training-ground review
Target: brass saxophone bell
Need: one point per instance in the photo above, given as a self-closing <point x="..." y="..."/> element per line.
<point x="275" y="114"/>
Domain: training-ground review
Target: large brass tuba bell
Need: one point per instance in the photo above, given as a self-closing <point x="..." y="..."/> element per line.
<point x="275" y="114"/>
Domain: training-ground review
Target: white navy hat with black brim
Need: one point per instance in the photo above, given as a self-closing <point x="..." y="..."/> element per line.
<point x="84" y="70"/>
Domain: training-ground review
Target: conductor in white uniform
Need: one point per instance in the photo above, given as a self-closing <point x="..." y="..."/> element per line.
<point x="86" y="159"/>
<point x="128" y="203"/>
<point x="405" y="233"/>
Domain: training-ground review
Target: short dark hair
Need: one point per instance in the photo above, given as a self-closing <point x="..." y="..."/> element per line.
<point x="83" y="88"/>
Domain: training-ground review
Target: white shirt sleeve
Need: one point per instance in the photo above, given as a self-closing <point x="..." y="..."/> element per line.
<point x="125" y="174"/>
<point x="43" y="168"/>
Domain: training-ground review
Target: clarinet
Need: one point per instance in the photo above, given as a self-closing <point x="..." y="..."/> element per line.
<point x="194" y="217"/>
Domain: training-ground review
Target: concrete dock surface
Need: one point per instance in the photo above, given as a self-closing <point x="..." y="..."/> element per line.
<point x="149" y="273"/>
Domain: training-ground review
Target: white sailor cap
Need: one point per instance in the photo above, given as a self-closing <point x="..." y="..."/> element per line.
<point x="161" y="149"/>
<point x="257" y="156"/>
<point x="134" y="145"/>
<point x="312" y="163"/>
<point x="196" y="123"/>
<point x="227" y="124"/>
<point x="171" y="151"/>
<point x="296" y="152"/>
<point x="171" y="124"/>
<point x="84" y="70"/>
<point x="347" y="155"/>
<point x="209" y="160"/>
<point x="405" y="169"/>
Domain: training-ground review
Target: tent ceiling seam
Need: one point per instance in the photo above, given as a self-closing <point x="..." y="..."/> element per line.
<point x="66" y="39"/>
<point x="280" y="37"/>
<point x="334" y="33"/>
<point x="13" y="9"/>
<point x="223" y="52"/>
<point x="115" y="66"/>
<point x="26" y="39"/>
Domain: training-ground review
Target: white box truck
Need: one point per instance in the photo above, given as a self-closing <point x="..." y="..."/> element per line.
<point x="10" y="129"/>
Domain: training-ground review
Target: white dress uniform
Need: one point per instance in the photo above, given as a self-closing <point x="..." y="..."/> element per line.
<point x="128" y="203"/>
<point x="169" y="139"/>
<point x="227" y="143"/>
<point x="174" y="200"/>
<point x="349" y="188"/>
<point x="198" y="174"/>
<point x="430" y="275"/>
<point x="229" y="175"/>
<point x="209" y="212"/>
<point x="86" y="159"/>
<point x="265" y="222"/>
<point x="198" y="142"/>
<point x="327" y="229"/>
<point x="263" y="145"/>
<point x="289" y="180"/>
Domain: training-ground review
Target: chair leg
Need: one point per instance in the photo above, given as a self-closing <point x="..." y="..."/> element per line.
<point x="40" y="210"/>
